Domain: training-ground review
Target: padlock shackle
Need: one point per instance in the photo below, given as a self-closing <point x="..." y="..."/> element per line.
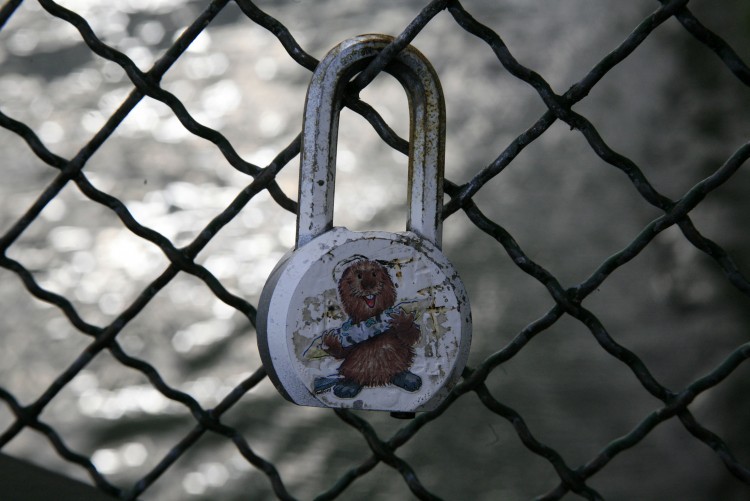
<point x="320" y="133"/>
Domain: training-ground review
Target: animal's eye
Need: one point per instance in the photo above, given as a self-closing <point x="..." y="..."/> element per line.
<point x="374" y="274"/>
<point x="359" y="276"/>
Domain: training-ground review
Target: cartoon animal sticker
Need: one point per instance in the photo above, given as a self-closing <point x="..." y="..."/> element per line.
<point x="376" y="342"/>
<point x="372" y="332"/>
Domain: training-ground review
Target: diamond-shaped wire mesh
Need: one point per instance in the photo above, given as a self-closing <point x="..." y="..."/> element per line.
<point x="143" y="214"/>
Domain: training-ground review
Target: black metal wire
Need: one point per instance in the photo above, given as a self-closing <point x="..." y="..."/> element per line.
<point x="567" y="301"/>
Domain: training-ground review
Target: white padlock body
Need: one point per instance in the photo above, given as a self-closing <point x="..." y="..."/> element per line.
<point x="319" y="348"/>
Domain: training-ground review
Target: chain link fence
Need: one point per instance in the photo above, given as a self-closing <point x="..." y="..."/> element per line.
<point x="211" y="423"/>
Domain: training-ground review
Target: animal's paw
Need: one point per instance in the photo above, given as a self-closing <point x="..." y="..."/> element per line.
<point x="402" y="320"/>
<point x="331" y="344"/>
<point x="402" y="325"/>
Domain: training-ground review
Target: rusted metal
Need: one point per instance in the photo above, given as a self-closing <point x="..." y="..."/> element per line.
<point x="325" y="98"/>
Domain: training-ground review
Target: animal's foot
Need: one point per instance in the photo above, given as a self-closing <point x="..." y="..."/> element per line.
<point x="347" y="389"/>
<point x="321" y="384"/>
<point x="407" y="380"/>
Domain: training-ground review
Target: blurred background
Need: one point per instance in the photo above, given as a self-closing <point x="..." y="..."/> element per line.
<point x="672" y="107"/>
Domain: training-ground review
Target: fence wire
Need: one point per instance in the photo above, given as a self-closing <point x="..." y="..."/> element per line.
<point x="568" y="300"/>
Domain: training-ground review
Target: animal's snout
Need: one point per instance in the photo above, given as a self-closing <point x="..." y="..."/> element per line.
<point x="368" y="282"/>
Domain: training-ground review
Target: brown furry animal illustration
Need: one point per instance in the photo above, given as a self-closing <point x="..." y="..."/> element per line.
<point x="376" y="343"/>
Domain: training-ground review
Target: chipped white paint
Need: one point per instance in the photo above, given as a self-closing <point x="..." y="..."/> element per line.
<point x="367" y="320"/>
<point x="300" y="303"/>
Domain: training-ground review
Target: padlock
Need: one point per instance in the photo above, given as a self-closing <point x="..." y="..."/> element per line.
<point x="367" y="320"/>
